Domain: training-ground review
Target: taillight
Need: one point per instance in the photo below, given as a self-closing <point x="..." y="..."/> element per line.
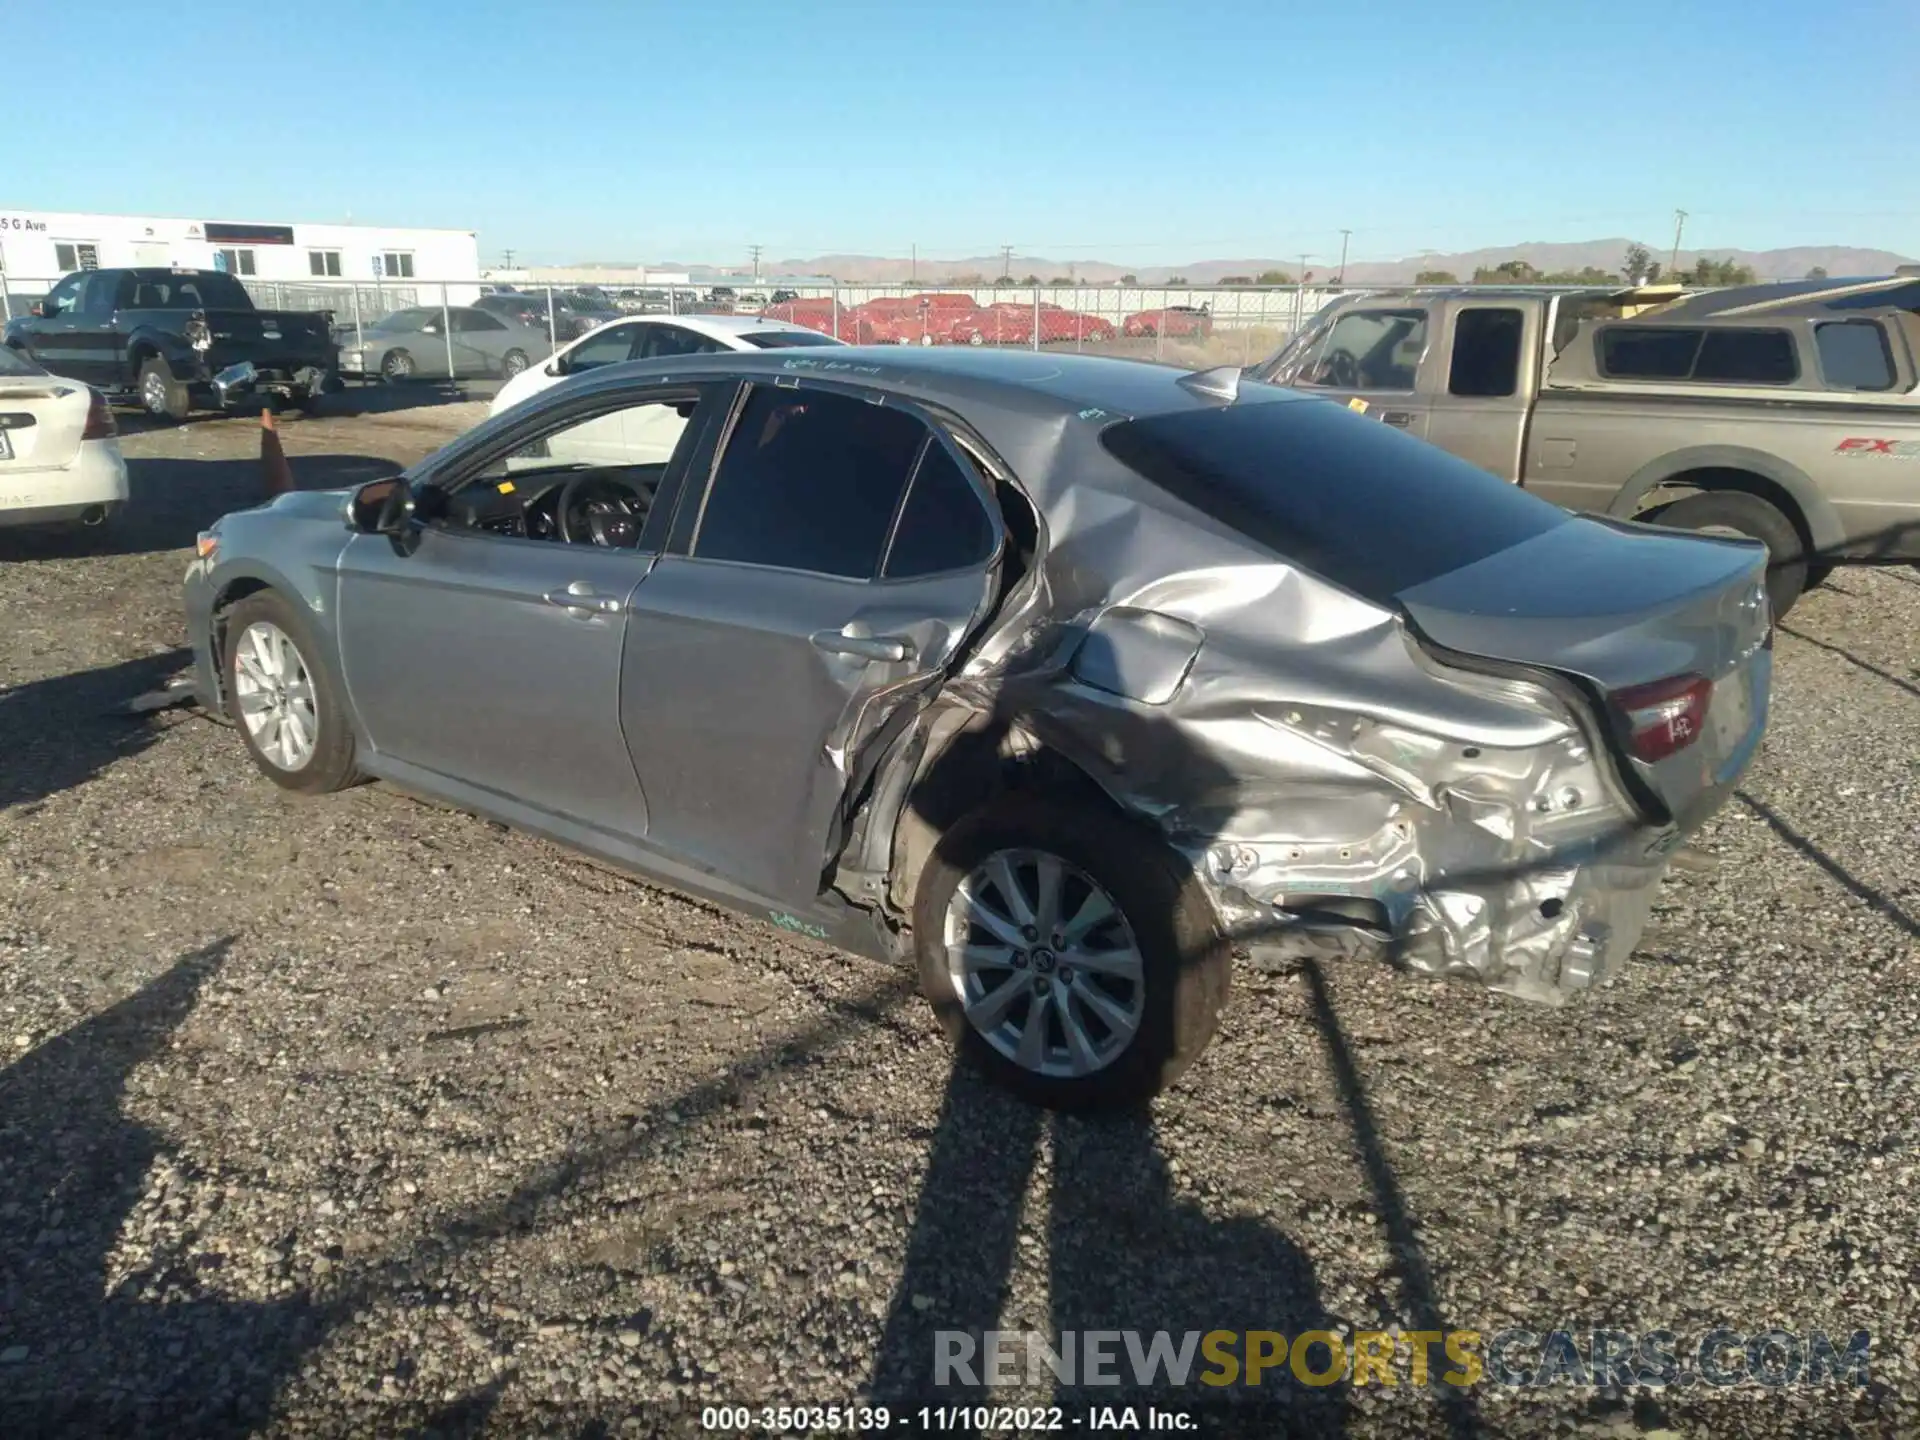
<point x="100" y="424"/>
<point x="1665" y="717"/>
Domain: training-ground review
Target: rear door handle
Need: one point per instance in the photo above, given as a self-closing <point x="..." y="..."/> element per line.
<point x="1401" y="418"/>
<point x="887" y="649"/>
<point x="583" y="597"/>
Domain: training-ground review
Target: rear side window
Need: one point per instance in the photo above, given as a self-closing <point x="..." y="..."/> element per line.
<point x="1371" y="350"/>
<point x="1354" y="501"/>
<point x="1854" y="355"/>
<point x="1736" y="356"/>
<point x="1486" y="353"/>
<point x="943" y="525"/>
<point x="809" y="481"/>
<point x="786" y="339"/>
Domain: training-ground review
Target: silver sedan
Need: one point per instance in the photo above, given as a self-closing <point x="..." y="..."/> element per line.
<point x="1052" y="677"/>
<point x="460" y="342"/>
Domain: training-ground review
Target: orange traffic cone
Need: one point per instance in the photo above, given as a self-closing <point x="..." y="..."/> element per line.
<point x="276" y="475"/>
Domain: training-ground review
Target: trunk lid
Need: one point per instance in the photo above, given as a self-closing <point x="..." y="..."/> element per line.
<point x="1631" y="613"/>
<point x="42" y="421"/>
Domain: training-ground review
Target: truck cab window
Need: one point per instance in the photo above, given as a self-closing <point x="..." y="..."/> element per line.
<point x="1486" y="353"/>
<point x="1372" y="350"/>
<point x="1854" y="355"/>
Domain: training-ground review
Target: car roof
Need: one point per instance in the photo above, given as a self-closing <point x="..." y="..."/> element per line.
<point x="722" y="327"/>
<point x="1093" y="387"/>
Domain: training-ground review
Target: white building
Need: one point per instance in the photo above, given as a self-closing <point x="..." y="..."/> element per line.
<point x="39" y="246"/>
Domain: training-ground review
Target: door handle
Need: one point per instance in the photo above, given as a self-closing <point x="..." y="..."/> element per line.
<point x="582" y="596"/>
<point x="888" y="649"/>
<point x="1400" y="418"/>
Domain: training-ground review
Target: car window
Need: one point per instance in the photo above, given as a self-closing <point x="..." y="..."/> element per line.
<point x="480" y="320"/>
<point x="1371" y="350"/>
<point x="809" y="481"/>
<point x="786" y="339"/>
<point x="1486" y="353"/>
<point x="603" y="347"/>
<point x="1854" y="355"/>
<point x="59" y="300"/>
<point x="208" y="291"/>
<point x="943" y="524"/>
<point x="1353" y="501"/>
<point x="643" y="436"/>
<point x="12" y="362"/>
<point x="1731" y="356"/>
<point x="664" y="341"/>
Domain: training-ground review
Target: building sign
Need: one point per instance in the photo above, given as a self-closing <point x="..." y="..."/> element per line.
<point x="225" y="234"/>
<point x="22" y="222"/>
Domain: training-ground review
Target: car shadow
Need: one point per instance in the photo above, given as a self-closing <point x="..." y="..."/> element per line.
<point x="89" y="1351"/>
<point x="61" y="732"/>
<point x="1874" y="899"/>
<point x="170" y="501"/>
<point x="1852" y="659"/>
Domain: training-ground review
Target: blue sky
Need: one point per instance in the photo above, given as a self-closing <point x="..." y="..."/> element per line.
<point x="1124" y="130"/>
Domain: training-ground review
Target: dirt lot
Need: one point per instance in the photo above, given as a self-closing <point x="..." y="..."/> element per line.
<point x="354" y="1115"/>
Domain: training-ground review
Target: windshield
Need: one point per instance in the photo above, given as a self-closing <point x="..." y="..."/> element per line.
<point x="786" y="339"/>
<point x="1354" y="501"/>
<point x="12" y="362"/>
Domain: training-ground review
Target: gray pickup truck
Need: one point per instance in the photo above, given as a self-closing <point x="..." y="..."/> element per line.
<point x="1788" y="413"/>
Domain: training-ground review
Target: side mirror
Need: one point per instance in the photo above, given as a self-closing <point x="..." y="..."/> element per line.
<point x="556" y="366"/>
<point x="381" y="507"/>
<point x="40" y="309"/>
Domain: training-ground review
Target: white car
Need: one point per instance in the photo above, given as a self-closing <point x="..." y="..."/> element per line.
<point x="60" y="461"/>
<point x="646" y="436"/>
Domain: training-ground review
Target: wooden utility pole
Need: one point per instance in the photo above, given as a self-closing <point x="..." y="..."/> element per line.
<point x="1679" y="226"/>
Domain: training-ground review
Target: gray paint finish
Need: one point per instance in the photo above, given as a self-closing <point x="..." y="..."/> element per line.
<point x="1431" y="755"/>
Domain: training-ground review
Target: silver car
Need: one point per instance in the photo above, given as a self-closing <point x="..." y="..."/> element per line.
<point x="459" y="342"/>
<point x="1058" y="677"/>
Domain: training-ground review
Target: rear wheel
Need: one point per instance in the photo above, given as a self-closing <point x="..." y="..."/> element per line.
<point x="283" y="700"/>
<point x="161" y="394"/>
<point x="512" y="363"/>
<point x="1072" y="957"/>
<point x="1732" y="512"/>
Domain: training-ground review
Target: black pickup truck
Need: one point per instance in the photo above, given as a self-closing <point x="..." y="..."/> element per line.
<point x="177" y="340"/>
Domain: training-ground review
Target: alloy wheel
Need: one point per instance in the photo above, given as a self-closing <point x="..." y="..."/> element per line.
<point x="273" y="692"/>
<point x="1044" y="964"/>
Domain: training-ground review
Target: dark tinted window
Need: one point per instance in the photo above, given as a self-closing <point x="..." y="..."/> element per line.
<point x="943" y="526"/>
<point x="809" y="481"/>
<point x="1348" y="498"/>
<point x="785" y="339"/>
<point x="1854" y="355"/>
<point x="207" y="290"/>
<point x="1486" y="353"/>
<point x="467" y="320"/>
<point x="1646" y="353"/>
<point x="1747" y="357"/>
<point x="1731" y="356"/>
<point x="664" y="341"/>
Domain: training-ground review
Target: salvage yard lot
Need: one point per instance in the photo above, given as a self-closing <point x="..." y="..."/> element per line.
<point x="359" y="1111"/>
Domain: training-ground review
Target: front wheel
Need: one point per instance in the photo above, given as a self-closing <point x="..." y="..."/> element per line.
<point x="396" y="365"/>
<point x="1075" y="959"/>
<point x="1735" y="513"/>
<point x="283" y="699"/>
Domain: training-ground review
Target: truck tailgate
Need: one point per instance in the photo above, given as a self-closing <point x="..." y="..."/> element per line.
<point x="269" y="338"/>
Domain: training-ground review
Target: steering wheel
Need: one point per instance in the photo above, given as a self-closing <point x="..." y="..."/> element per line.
<point x="1340" y="371"/>
<point x="593" y="509"/>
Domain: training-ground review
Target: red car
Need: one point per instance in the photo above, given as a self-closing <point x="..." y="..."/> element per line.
<point x="918" y="319"/>
<point x="829" y="317"/>
<point x="1010" y="322"/>
<point x="1183" y="322"/>
<point x="1058" y="323"/>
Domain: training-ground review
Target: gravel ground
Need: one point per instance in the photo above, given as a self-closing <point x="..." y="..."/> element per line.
<point x="359" y="1115"/>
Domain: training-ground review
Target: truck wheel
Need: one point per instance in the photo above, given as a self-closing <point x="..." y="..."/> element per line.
<point x="396" y="365"/>
<point x="1730" y="512"/>
<point x="161" y="395"/>
<point x="1073" y="958"/>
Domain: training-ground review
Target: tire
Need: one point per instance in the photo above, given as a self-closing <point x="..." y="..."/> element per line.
<point x="395" y="366"/>
<point x="161" y="395"/>
<point x="1748" y="515"/>
<point x="326" y="763"/>
<point x="309" y="401"/>
<point x="1184" y="962"/>
<point x="512" y="363"/>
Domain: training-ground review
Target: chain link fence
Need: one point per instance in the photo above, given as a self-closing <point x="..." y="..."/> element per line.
<point x="1185" y="325"/>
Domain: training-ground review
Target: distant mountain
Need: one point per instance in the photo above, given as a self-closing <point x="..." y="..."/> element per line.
<point x="1544" y="255"/>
